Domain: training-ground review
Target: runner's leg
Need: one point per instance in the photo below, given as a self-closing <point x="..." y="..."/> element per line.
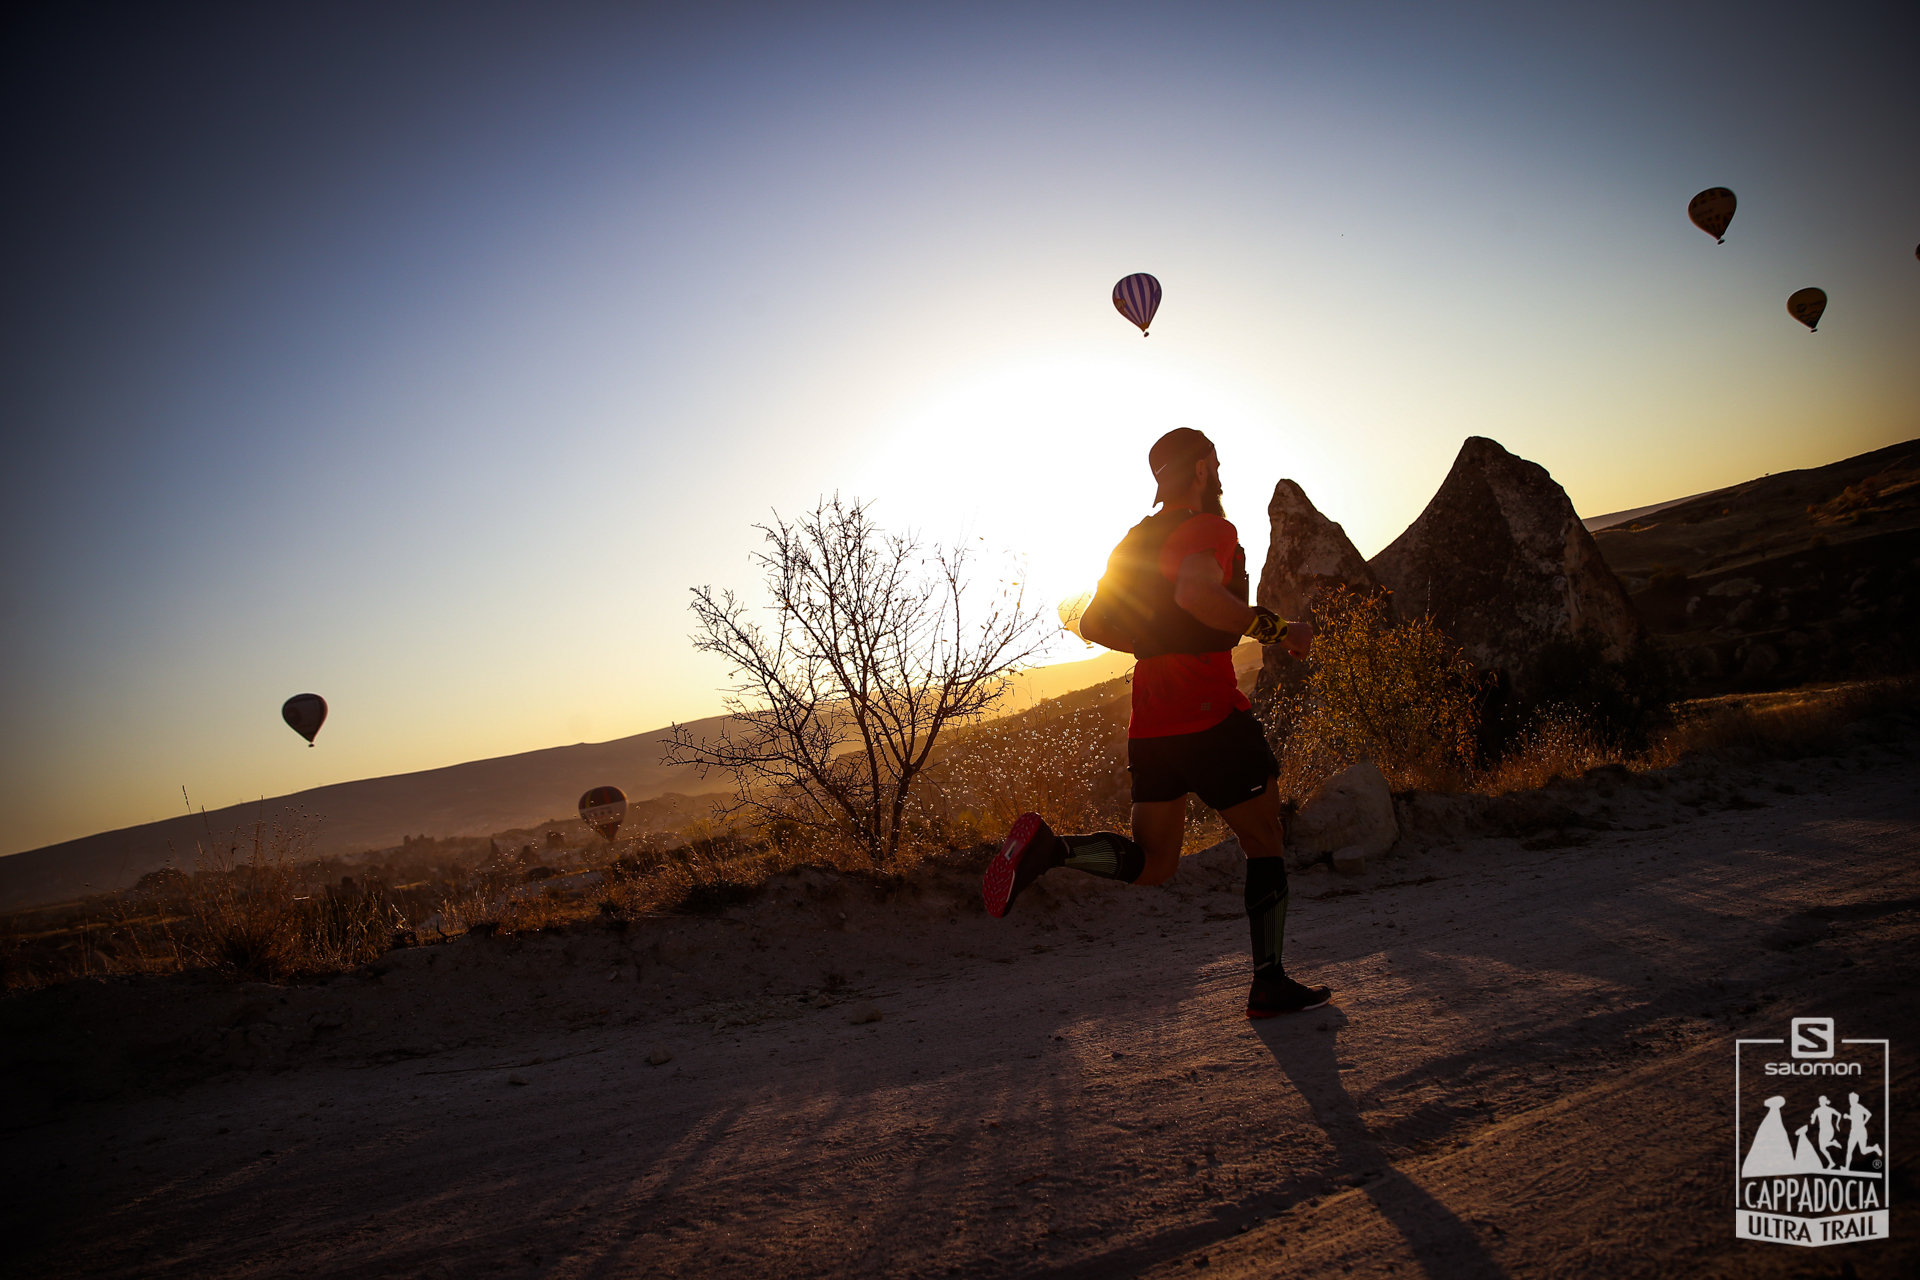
<point x="1158" y="828"/>
<point x="1032" y="849"/>
<point x="1106" y="854"/>
<point x="1257" y="823"/>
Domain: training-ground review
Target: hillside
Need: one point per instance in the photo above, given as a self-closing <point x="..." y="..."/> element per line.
<point x="477" y="798"/>
<point x="1801" y="575"/>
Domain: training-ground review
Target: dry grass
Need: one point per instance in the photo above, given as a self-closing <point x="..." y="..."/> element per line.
<point x="1788" y="725"/>
<point x="1555" y="749"/>
<point x="1065" y="758"/>
<point x="251" y="909"/>
<point x="257" y="907"/>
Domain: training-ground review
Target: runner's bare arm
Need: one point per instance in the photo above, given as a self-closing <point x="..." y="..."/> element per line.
<point x="1201" y="590"/>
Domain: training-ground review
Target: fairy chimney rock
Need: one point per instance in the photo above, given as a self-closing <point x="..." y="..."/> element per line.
<point x="1503" y="565"/>
<point x="1308" y="555"/>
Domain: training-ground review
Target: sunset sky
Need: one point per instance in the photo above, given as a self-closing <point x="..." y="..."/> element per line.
<point x="424" y="356"/>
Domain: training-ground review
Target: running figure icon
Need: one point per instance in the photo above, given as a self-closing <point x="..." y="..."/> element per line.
<point x="1857" y="1117"/>
<point x="1827" y="1119"/>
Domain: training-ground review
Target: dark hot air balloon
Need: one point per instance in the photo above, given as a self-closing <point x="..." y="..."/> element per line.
<point x="1711" y="211"/>
<point x="304" y="714"/>
<point x="1806" y="306"/>
<point x="1137" y="298"/>
<point x="604" y="809"/>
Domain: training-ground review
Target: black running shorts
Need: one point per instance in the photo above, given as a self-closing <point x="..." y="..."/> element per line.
<point x="1226" y="765"/>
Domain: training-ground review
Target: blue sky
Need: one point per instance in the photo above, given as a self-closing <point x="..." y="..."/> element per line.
<point x="424" y="356"/>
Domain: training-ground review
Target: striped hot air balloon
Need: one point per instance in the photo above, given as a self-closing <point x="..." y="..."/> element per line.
<point x="1137" y="297"/>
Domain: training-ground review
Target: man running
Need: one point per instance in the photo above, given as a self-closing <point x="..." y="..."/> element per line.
<point x="1857" y="1117"/>
<point x="1175" y="596"/>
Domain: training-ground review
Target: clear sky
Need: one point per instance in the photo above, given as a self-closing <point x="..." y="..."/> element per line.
<point x="423" y="356"/>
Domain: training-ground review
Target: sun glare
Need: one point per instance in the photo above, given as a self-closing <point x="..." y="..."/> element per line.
<point x="1045" y="460"/>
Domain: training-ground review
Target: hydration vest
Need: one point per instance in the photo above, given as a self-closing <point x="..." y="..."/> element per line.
<point x="1139" y="598"/>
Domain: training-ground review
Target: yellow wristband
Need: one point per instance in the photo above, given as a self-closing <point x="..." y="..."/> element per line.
<point x="1267" y="626"/>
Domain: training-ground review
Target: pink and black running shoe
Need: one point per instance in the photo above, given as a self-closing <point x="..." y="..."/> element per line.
<point x="1029" y="851"/>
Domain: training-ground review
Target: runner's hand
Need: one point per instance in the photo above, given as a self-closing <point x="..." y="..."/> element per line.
<point x="1267" y="626"/>
<point x="1299" y="638"/>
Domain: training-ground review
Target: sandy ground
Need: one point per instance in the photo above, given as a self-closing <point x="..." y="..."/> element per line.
<point x="1527" y="1072"/>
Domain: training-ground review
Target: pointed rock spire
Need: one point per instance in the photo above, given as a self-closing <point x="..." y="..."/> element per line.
<point x="1307" y="556"/>
<point x="1503" y="564"/>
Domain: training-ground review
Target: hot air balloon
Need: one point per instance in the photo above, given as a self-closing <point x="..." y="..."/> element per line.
<point x="1806" y="306"/>
<point x="1711" y="211"/>
<point x="1137" y="298"/>
<point x="304" y="714"/>
<point x="603" y="809"/>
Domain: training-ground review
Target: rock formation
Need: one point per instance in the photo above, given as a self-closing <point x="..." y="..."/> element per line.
<point x="1503" y="565"/>
<point x="1307" y="556"/>
<point x="1348" y="820"/>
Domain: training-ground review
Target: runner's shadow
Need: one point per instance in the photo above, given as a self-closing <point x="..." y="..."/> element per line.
<point x="1445" y="1247"/>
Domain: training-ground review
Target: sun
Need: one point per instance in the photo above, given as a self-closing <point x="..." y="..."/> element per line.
<point x="1045" y="461"/>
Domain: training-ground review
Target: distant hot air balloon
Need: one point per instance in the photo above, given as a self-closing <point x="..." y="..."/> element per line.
<point x="603" y="809"/>
<point x="1806" y="306"/>
<point x="1137" y="298"/>
<point x="1072" y="609"/>
<point x="304" y="714"/>
<point x="1711" y="211"/>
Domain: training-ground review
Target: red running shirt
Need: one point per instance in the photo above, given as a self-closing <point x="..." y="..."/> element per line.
<point x="1188" y="692"/>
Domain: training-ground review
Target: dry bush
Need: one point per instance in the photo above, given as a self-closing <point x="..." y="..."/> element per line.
<point x="1400" y="695"/>
<point x="1065" y="759"/>
<point x="873" y="651"/>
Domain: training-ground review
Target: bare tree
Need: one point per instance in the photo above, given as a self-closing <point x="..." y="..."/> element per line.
<point x="870" y="654"/>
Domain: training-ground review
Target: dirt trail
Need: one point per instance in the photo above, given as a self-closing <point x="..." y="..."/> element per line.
<point x="1527" y="1073"/>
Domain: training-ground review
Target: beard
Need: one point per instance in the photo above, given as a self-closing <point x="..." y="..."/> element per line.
<point x="1210" y="501"/>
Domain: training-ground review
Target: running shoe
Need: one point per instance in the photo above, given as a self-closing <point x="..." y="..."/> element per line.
<point x="1271" y="996"/>
<point x="1029" y="851"/>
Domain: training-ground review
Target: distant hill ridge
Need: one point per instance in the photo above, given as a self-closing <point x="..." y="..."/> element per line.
<point x="478" y="797"/>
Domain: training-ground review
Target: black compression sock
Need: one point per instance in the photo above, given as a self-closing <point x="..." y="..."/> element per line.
<point x="1106" y="854"/>
<point x="1266" y="899"/>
